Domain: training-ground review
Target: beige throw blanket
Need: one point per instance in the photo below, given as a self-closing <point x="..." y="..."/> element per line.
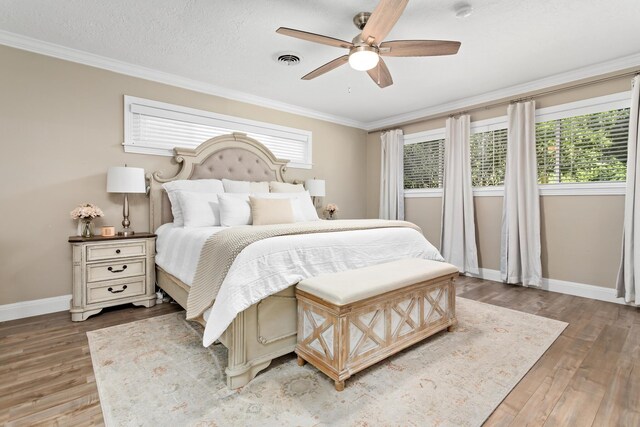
<point x="221" y="249"/>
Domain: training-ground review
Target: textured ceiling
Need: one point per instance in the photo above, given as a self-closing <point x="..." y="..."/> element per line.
<point x="232" y="44"/>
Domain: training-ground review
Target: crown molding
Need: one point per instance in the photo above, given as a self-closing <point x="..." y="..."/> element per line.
<point x="68" y="54"/>
<point x="587" y="72"/>
<point x="19" y="41"/>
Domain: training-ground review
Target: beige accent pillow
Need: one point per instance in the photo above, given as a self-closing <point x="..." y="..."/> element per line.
<point x="271" y="211"/>
<point x="284" y="187"/>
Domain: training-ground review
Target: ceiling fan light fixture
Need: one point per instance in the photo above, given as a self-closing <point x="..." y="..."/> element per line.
<point x="363" y="58"/>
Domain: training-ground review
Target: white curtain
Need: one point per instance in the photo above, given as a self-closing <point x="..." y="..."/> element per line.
<point x="520" y="248"/>
<point x="392" y="175"/>
<point x="458" y="242"/>
<point x="628" y="285"/>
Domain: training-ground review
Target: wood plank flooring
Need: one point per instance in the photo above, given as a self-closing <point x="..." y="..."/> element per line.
<point x="589" y="377"/>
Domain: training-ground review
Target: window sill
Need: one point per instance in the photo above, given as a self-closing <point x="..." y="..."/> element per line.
<point x="577" y="189"/>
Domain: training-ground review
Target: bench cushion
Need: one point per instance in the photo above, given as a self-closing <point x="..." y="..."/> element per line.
<point x="350" y="286"/>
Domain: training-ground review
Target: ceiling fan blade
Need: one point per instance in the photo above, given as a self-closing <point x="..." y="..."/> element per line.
<point x="380" y="74"/>
<point x="382" y="20"/>
<point x="316" y="38"/>
<point x="419" y="48"/>
<point x="327" y="67"/>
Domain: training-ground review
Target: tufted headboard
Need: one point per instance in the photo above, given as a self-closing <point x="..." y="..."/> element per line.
<point x="234" y="156"/>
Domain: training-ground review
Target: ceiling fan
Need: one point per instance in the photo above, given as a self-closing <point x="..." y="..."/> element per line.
<point x="367" y="47"/>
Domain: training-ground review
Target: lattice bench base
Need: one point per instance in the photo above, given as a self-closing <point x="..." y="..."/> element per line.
<point x="341" y="340"/>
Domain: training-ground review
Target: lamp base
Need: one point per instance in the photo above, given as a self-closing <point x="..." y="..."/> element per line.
<point x="126" y="233"/>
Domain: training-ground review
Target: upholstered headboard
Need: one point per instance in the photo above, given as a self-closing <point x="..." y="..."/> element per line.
<point x="234" y="156"/>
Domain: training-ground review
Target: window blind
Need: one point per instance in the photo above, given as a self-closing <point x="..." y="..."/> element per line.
<point x="585" y="148"/>
<point x="424" y="164"/>
<point x="156" y="128"/>
<point x="488" y="154"/>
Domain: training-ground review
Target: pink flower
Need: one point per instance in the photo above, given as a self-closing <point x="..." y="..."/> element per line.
<point x="86" y="211"/>
<point x="331" y="208"/>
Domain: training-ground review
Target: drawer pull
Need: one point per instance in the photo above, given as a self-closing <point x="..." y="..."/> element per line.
<point x="117" y="251"/>
<point x="117" y="292"/>
<point x="124" y="267"/>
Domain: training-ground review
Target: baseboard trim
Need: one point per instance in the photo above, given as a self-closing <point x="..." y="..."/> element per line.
<point x="20" y="310"/>
<point x="563" y="287"/>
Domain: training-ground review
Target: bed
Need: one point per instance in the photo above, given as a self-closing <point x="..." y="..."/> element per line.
<point x="267" y="328"/>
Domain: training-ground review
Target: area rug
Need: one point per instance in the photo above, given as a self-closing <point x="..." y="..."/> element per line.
<point x="155" y="372"/>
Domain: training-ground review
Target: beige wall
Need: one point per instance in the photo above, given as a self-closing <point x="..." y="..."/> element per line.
<point x="581" y="235"/>
<point x="61" y="127"/>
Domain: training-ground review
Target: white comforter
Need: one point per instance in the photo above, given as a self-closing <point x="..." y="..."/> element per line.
<point x="271" y="265"/>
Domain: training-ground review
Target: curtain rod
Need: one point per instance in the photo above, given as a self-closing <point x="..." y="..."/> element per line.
<point x="520" y="99"/>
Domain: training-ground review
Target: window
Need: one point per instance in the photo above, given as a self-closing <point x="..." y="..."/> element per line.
<point x="424" y="160"/>
<point x="488" y="154"/>
<point x="583" y="148"/>
<point x="153" y="127"/>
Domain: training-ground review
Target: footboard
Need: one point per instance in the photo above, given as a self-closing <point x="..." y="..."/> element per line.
<point x="260" y="333"/>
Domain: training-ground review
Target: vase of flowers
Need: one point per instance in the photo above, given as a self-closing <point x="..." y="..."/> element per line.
<point x="331" y="210"/>
<point x="85" y="214"/>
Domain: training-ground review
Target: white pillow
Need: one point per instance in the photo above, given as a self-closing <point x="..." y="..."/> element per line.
<point x="303" y="209"/>
<point x="199" y="209"/>
<point x="231" y="186"/>
<point x="285" y="187"/>
<point x="309" y="211"/>
<point x="235" y="209"/>
<point x="193" y="185"/>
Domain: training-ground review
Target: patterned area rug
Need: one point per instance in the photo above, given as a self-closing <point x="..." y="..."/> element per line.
<point x="155" y="372"/>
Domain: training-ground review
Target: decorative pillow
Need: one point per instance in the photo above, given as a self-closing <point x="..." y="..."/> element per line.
<point x="303" y="209"/>
<point x="306" y="204"/>
<point x="199" y="209"/>
<point x="271" y="211"/>
<point x="234" y="209"/>
<point x="195" y="186"/>
<point x="284" y="187"/>
<point x="231" y="186"/>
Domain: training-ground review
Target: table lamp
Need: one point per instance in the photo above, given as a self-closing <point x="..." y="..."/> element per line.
<point x="316" y="188"/>
<point x="126" y="180"/>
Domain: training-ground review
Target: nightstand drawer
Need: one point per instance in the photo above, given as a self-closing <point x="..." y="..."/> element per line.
<point x="115" y="270"/>
<point x="116" y="290"/>
<point x="115" y="250"/>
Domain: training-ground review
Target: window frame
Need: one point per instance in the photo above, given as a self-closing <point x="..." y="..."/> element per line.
<point x="597" y="104"/>
<point x="488" y="125"/>
<point x="577" y="108"/>
<point x="415" y="138"/>
<point x="230" y="123"/>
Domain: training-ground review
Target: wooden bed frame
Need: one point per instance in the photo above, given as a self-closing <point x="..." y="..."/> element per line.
<point x="265" y="330"/>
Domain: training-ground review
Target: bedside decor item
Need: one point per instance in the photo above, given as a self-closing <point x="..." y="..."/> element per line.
<point x="316" y="188"/>
<point x="86" y="212"/>
<point x="330" y="210"/>
<point x="108" y="231"/>
<point x="126" y="180"/>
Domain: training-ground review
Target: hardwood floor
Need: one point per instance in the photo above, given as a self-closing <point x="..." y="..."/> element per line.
<point x="589" y="377"/>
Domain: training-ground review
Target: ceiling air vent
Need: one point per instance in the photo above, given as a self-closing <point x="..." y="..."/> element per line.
<point x="288" y="59"/>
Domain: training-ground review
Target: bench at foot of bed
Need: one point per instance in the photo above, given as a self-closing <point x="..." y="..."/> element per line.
<point x="350" y="320"/>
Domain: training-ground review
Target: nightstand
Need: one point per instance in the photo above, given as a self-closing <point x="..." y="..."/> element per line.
<point x="109" y="271"/>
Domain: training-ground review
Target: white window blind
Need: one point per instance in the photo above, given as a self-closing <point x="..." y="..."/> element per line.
<point x="583" y="148"/>
<point x="488" y="153"/>
<point x="153" y="127"/>
<point x="424" y="160"/>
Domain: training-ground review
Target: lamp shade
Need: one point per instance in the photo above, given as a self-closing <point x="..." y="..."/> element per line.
<point x="126" y="180"/>
<point x="315" y="187"/>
